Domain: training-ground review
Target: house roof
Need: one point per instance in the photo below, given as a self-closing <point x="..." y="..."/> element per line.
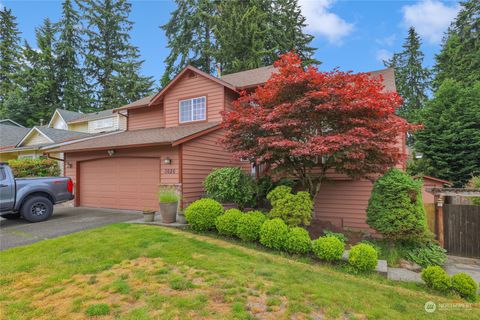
<point x="10" y="135"/>
<point x="249" y="78"/>
<point x="143" y="137"/>
<point x="139" y="103"/>
<point x="58" y="135"/>
<point x="93" y="116"/>
<point x="68" y="115"/>
<point x="10" y="122"/>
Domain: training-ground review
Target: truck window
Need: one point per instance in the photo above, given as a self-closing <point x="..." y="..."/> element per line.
<point x="3" y="176"/>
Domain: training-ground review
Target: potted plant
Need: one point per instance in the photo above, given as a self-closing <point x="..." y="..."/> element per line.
<point x="148" y="215"/>
<point x="168" y="199"/>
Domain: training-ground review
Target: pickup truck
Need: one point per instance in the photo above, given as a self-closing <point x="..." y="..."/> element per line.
<point x="31" y="198"/>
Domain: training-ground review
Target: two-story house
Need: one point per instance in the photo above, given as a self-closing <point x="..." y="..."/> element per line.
<point x="173" y="138"/>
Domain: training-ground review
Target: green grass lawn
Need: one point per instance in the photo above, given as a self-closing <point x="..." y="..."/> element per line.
<point x="126" y="271"/>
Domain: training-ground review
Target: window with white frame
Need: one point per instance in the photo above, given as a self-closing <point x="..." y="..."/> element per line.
<point x="103" y="123"/>
<point x="194" y="109"/>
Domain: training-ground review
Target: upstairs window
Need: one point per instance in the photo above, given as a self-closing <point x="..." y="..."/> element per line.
<point x="103" y="123"/>
<point x="193" y="109"/>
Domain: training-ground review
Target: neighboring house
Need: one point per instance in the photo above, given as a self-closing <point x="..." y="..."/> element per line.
<point x="172" y="138"/>
<point x="10" y="122"/>
<point x="10" y="136"/>
<point x="95" y="122"/>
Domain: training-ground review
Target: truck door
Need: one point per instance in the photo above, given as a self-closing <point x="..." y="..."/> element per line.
<point x="7" y="191"/>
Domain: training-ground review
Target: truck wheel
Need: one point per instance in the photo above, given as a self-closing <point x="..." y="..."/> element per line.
<point x="11" y="216"/>
<point x="36" y="209"/>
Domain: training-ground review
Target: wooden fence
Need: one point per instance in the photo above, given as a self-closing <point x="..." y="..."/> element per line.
<point x="462" y="230"/>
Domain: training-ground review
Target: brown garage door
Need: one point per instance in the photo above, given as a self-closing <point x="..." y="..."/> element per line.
<point x="120" y="183"/>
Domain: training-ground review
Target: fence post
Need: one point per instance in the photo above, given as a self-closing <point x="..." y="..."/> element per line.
<point x="439" y="218"/>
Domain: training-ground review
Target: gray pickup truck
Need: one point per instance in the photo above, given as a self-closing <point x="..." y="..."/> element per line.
<point x="31" y="198"/>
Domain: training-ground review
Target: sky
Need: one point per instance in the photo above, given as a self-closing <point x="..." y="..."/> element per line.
<point x="351" y="35"/>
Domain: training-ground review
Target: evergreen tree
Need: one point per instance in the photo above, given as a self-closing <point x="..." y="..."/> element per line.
<point x="450" y="139"/>
<point x="10" y="57"/>
<point x="68" y="49"/>
<point x="190" y="37"/>
<point x="411" y="78"/>
<point x="112" y="62"/>
<point x="459" y="58"/>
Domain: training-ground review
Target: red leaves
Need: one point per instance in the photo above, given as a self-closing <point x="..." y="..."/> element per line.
<point x="301" y="115"/>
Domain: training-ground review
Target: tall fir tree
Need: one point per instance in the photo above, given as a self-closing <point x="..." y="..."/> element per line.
<point x="112" y="62"/>
<point x="190" y="37"/>
<point x="72" y="81"/>
<point x="459" y="58"/>
<point x="10" y="57"/>
<point x="411" y="78"/>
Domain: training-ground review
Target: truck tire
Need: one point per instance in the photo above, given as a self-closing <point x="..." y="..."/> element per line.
<point x="36" y="209"/>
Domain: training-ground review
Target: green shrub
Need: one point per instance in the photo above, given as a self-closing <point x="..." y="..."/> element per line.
<point x="474" y="183"/>
<point x="298" y="241"/>
<point x="227" y="223"/>
<point x="99" y="309"/>
<point x="430" y="254"/>
<point x="465" y="286"/>
<point x="231" y="184"/>
<point x="338" y="235"/>
<point x="294" y="209"/>
<point x="249" y="225"/>
<point x="395" y="208"/>
<point x="363" y="257"/>
<point x="273" y="234"/>
<point x="202" y="213"/>
<point x="265" y="184"/>
<point x="328" y="248"/>
<point x="34" y="167"/>
<point x="167" y="194"/>
<point x="436" y="278"/>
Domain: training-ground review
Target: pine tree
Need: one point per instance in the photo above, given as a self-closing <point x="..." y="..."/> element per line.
<point x="459" y="58"/>
<point x="190" y="37"/>
<point x="411" y="78"/>
<point x="10" y="57"/>
<point x="68" y="49"/>
<point x="112" y="62"/>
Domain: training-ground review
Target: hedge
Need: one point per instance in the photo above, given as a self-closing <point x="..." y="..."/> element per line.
<point x="34" y="167"/>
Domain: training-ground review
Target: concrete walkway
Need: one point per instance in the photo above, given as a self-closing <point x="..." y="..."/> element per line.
<point x="456" y="265"/>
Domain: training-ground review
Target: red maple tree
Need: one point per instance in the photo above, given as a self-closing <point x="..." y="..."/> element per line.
<point x="303" y="122"/>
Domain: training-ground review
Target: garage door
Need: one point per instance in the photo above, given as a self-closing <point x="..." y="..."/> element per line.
<point x="120" y="183"/>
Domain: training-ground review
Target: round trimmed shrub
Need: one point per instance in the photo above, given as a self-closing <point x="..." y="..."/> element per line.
<point x="395" y="208"/>
<point x="231" y="184"/>
<point x="273" y="234"/>
<point x="436" y="278"/>
<point x="294" y="209"/>
<point x="363" y="257"/>
<point x="328" y="248"/>
<point x="249" y="225"/>
<point x="298" y="241"/>
<point x="202" y="213"/>
<point x="465" y="286"/>
<point x="227" y="223"/>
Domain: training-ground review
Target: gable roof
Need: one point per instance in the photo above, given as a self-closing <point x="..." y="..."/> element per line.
<point x="249" y="78"/>
<point x="94" y="116"/>
<point x="10" y="135"/>
<point x="53" y="135"/>
<point x="140" y="138"/>
<point x="68" y="115"/>
<point x="10" y="122"/>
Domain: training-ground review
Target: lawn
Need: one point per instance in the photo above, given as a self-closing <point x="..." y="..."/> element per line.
<point x="126" y="271"/>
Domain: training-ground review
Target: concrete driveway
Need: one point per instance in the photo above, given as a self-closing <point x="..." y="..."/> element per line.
<point x="65" y="220"/>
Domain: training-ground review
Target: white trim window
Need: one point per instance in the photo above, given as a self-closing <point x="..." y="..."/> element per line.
<point x="103" y="123"/>
<point x="194" y="109"/>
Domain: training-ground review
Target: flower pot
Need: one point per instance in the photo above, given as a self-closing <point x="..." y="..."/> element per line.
<point x="149" y="216"/>
<point x="168" y="210"/>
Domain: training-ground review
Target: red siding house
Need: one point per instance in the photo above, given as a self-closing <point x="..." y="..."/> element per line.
<point x="172" y="138"/>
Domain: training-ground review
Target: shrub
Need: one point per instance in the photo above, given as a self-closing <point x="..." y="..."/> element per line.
<point x="465" y="286"/>
<point x="474" y="183"/>
<point x="249" y="225"/>
<point x="227" y="223"/>
<point x="328" y="248"/>
<point x="436" y="278"/>
<point x="273" y="234"/>
<point x="294" y="209"/>
<point x="363" y="257"/>
<point x="168" y="194"/>
<point x="230" y="184"/>
<point x="34" y="168"/>
<point x="265" y="184"/>
<point x="202" y="213"/>
<point x="338" y="235"/>
<point x="430" y="254"/>
<point x="99" y="309"/>
<point x="298" y="241"/>
<point x="395" y="208"/>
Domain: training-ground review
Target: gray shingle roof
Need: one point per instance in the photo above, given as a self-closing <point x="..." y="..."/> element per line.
<point x="58" y="135"/>
<point x="138" y="137"/>
<point x="11" y="135"/>
<point x="68" y="115"/>
<point x="94" y="116"/>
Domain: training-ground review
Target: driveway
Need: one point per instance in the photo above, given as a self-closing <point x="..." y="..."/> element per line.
<point x="65" y="220"/>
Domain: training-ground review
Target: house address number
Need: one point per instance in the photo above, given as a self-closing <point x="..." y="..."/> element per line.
<point x="169" y="171"/>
